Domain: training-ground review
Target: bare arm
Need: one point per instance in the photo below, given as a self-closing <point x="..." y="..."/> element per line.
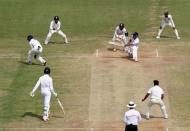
<point x="162" y="97"/>
<point x="146" y="96"/>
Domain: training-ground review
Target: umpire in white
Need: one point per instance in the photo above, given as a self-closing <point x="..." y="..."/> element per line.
<point x="46" y="84"/>
<point x="132" y="117"/>
<point x="156" y="97"/>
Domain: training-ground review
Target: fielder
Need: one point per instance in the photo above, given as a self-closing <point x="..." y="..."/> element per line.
<point x="132" y="46"/>
<point x="120" y="35"/>
<point x="156" y="97"/>
<point x="46" y="84"/>
<point x="132" y="117"/>
<point x="55" y="26"/>
<point x="167" y="21"/>
<point x="36" y="50"/>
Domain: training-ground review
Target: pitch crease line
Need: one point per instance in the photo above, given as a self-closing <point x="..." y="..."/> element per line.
<point x="157" y="52"/>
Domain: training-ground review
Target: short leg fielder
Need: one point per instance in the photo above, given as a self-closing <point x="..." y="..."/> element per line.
<point x="157" y="102"/>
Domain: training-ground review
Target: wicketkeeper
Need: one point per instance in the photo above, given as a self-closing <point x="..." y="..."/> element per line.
<point x="46" y="84"/>
<point x="36" y="50"/>
<point x="120" y="34"/>
<point x="55" y="26"/>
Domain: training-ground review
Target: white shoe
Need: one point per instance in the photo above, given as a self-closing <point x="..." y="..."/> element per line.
<point x="45" y="118"/>
<point x="157" y="37"/>
<point x="178" y="38"/>
<point x="166" y="117"/>
<point x="114" y="49"/>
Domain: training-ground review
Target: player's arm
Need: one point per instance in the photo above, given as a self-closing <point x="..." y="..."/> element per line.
<point x="145" y="97"/>
<point x="51" y="88"/>
<point x="35" y="88"/>
<point x="59" y="25"/>
<point x="51" y="25"/>
<point x="172" y="22"/>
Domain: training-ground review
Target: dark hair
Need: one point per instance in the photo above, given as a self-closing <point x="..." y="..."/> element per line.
<point x="156" y="82"/>
<point x="47" y="70"/>
<point x="29" y="37"/>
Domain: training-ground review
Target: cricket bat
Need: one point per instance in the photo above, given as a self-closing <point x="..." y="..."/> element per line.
<point x="60" y="105"/>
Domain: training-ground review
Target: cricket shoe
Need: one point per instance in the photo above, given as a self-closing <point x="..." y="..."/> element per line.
<point x="114" y="50"/>
<point x="45" y="118"/>
<point x="178" y="38"/>
<point x="157" y="37"/>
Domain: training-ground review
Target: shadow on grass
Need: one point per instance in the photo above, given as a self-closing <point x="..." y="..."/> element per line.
<point x="26" y="63"/>
<point x="32" y="115"/>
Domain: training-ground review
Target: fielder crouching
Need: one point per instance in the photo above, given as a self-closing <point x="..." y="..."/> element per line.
<point x="46" y="84"/>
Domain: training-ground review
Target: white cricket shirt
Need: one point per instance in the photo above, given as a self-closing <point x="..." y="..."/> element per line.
<point x="132" y="117"/>
<point x="155" y="92"/>
<point x="35" y="45"/>
<point x="168" y="20"/>
<point x="55" y="26"/>
<point x="120" y="32"/>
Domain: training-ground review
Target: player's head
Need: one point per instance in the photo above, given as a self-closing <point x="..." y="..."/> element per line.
<point x="135" y="35"/>
<point x="46" y="70"/>
<point x="166" y="13"/>
<point x="56" y="19"/>
<point x="156" y="82"/>
<point x="121" y="26"/>
<point x="29" y="37"/>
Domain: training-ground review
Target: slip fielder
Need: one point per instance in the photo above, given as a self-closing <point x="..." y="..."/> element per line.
<point x="55" y="26"/>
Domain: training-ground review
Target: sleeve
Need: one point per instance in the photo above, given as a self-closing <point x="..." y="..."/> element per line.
<point x="115" y="33"/>
<point x="149" y="91"/>
<point x="125" y="119"/>
<point x="51" y="25"/>
<point x="36" y="86"/>
<point x="163" y="20"/>
<point x="161" y="91"/>
<point x="59" y="25"/>
<point x="139" y="117"/>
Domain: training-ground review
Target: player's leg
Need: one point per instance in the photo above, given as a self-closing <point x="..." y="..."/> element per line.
<point x="176" y="33"/>
<point x="135" y="49"/>
<point x="30" y="53"/>
<point x="150" y="103"/>
<point x="40" y="59"/>
<point x="163" y="109"/>
<point x="49" y="36"/>
<point x="162" y="26"/>
<point x="46" y="104"/>
<point x="63" y="35"/>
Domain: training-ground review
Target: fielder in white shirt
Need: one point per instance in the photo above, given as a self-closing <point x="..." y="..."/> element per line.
<point x="167" y="21"/>
<point x="120" y="34"/>
<point x="46" y="84"/>
<point x="156" y="97"/>
<point x="36" y="50"/>
<point x="132" y="46"/>
<point x="55" y="26"/>
<point x="132" y="117"/>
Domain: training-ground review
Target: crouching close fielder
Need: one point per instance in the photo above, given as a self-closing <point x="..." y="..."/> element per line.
<point x="120" y="35"/>
<point x="36" y="50"/>
<point x="46" y="84"/>
<point x="55" y="26"/>
<point x="132" y="47"/>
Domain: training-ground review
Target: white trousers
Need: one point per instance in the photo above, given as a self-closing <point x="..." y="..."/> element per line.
<point x="46" y="96"/>
<point x="132" y="52"/>
<point x="51" y="32"/>
<point x="36" y="52"/>
<point x="120" y="38"/>
<point x="156" y="102"/>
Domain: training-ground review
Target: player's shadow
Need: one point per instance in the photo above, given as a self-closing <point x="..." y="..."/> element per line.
<point x="166" y="37"/>
<point x="31" y="115"/>
<point x="26" y="63"/>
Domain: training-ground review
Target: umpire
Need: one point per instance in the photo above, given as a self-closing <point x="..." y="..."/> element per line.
<point x="132" y="117"/>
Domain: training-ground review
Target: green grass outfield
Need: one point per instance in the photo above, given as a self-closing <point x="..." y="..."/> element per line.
<point x="89" y="25"/>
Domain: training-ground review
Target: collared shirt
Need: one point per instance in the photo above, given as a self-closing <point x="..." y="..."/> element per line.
<point x="55" y="26"/>
<point x="132" y="117"/>
<point x="134" y="42"/>
<point x="46" y="84"/>
<point x="155" y="92"/>
<point x="120" y="32"/>
<point x="35" y="45"/>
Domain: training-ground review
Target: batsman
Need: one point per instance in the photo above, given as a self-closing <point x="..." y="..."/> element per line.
<point x="46" y="84"/>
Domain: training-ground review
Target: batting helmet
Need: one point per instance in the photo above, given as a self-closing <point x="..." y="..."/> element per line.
<point x="121" y="26"/>
<point x="166" y="13"/>
<point x="29" y="37"/>
<point x="47" y="70"/>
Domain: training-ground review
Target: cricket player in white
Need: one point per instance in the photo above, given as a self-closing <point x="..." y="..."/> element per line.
<point x="167" y="21"/>
<point x="132" y="46"/>
<point x="46" y="84"/>
<point x="36" y="50"/>
<point x="120" y="34"/>
<point x="156" y="97"/>
<point x="55" y="26"/>
<point x="132" y="117"/>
